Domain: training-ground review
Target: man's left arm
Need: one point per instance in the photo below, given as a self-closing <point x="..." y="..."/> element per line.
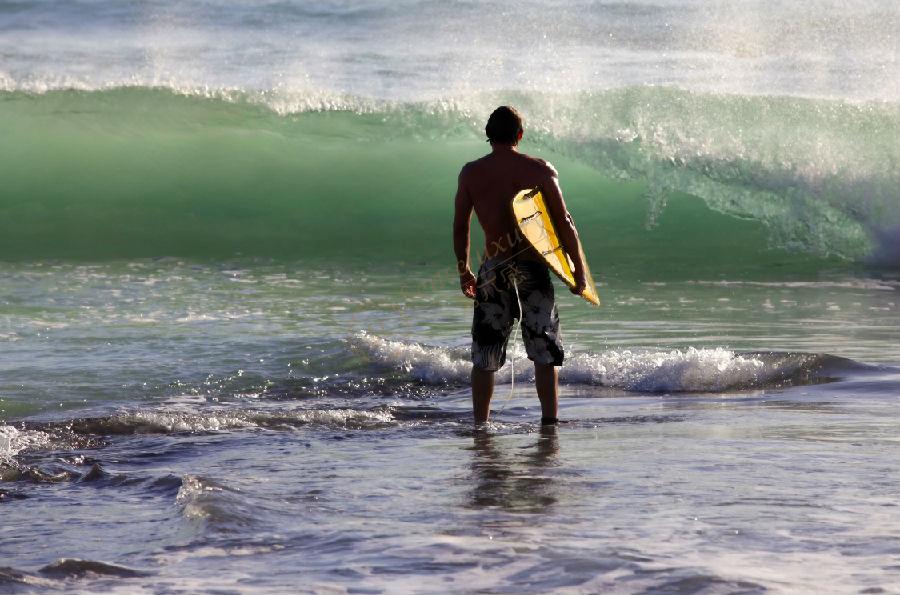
<point x="565" y="226"/>
<point x="461" y="220"/>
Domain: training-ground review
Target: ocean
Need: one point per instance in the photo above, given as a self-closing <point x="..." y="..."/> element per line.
<point x="233" y="351"/>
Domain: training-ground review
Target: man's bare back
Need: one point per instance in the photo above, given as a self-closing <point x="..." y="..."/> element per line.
<point x="491" y="182"/>
<point x="487" y="186"/>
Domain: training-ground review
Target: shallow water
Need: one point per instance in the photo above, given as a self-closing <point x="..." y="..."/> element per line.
<point x="717" y="436"/>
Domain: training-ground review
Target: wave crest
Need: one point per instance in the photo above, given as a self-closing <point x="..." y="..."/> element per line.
<point x="689" y="370"/>
<point x="818" y="175"/>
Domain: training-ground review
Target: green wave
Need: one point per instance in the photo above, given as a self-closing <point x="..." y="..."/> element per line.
<point x="138" y="172"/>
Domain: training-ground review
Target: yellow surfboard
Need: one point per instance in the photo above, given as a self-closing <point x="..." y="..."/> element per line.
<point x="535" y="223"/>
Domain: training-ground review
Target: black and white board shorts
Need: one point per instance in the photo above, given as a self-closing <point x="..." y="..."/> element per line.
<point x="497" y="307"/>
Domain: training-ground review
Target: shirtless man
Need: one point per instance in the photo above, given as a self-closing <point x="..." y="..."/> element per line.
<point x="512" y="272"/>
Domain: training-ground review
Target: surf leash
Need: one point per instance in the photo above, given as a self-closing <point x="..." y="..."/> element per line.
<point x="512" y="357"/>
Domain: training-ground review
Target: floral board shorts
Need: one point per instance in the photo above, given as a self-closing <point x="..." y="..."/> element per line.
<point x="497" y="308"/>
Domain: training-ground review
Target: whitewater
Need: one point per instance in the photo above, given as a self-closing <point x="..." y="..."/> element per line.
<point x="233" y="352"/>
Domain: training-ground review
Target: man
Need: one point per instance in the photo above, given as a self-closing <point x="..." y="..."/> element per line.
<point x="513" y="282"/>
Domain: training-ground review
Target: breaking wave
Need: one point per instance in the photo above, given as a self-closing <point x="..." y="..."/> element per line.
<point x="671" y="371"/>
<point x="199" y="173"/>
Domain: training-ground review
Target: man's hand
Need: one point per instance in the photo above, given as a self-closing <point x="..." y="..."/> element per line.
<point x="580" y="282"/>
<point x="467" y="283"/>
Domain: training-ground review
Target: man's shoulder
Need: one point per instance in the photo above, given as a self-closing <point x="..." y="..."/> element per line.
<point x="542" y="166"/>
<point x="470" y="167"/>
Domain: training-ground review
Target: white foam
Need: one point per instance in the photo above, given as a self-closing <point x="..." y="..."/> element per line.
<point x="181" y="421"/>
<point x="13" y="441"/>
<point x="686" y="370"/>
<point x="864" y="284"/>
<point x="195" y="317"/>
<point x="341" y="417"/>
<point x="677" y="370"/>
<point x="192" y="490"/>
<point x="179" y="556"/>
<point x="7" y="436"/>
<point x="184" y="422"/>
<point x="431" y="365"/>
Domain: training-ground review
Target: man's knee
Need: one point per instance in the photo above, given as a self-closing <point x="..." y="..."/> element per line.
<point x="481" y="371"/>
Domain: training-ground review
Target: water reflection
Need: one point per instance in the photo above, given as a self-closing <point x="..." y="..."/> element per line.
<point x="515" y="479"/>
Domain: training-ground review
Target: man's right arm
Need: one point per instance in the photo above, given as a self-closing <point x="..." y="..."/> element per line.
<point x="461" y="218"/>
<point x="568" y="235"/>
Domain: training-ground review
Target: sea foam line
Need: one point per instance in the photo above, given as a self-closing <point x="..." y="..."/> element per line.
<point x="677" y="370"/>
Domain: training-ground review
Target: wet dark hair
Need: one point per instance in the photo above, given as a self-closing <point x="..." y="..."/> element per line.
<point x="504" y="126"/>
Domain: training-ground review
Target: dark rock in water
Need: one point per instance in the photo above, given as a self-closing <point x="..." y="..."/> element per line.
<point x="10" y="474"/>
<point x="7" y="495"/>
<point x="168" y="484"/>
<point x="74" y="568"/>
<point x="96" y="472"/>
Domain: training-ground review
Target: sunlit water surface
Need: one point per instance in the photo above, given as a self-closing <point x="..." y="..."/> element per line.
<point x="173" y="426"/>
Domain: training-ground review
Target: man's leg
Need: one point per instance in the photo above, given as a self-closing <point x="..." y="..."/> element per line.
<point x="482" y="391"/>
<point x="545" y="380"/>
<point x="540" y="331"/>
